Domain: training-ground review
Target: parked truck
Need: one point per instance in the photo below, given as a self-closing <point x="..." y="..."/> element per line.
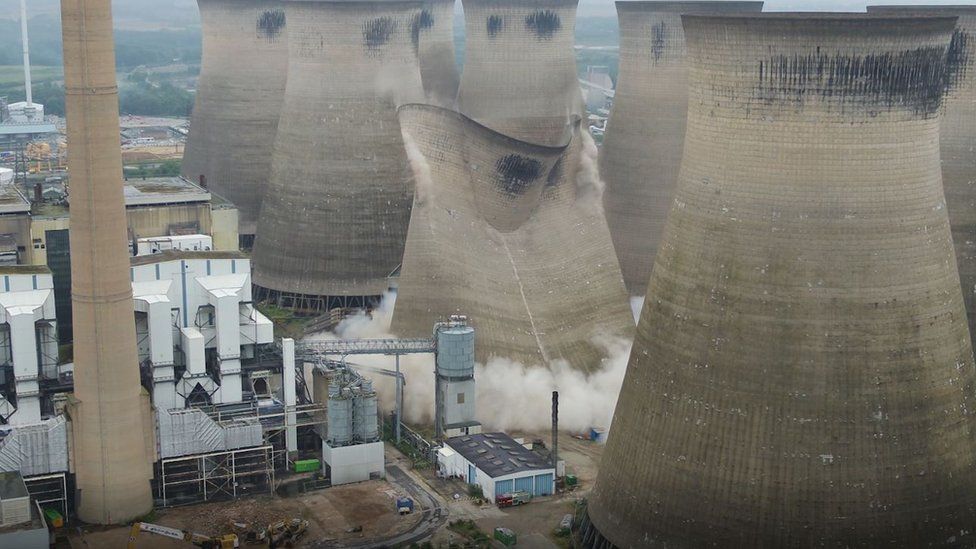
<point x="513" y="499"/>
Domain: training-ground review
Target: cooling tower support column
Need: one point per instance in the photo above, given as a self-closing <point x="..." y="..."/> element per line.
<point x="802" y="374"/>
<point x="111" y="446"/>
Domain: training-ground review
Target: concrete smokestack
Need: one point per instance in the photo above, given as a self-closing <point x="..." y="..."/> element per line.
<point x="802" y="375"/>
<point x="435" y="41"/>
<point x="519" y="73"/>
<point x="239" y="96"/>
<point x="501" y="231"/>
<point x="27" y="68"/>
<point x="111" y="459"/>
<point x="641" y="151"/>
<point x="335" y="216"/>
<point x="958" y="143"/>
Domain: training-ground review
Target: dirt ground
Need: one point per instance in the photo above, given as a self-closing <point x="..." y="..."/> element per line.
<point x="331" y="513"/>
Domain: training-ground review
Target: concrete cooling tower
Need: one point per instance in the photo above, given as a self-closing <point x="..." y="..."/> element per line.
<point x="519" y="73"/>
<point x="435" y="41"/>
<point x="958" y="141"/>
<point x="239" y="96"/>
<point x="335" y="216"/>
<point x="641" y="151"/>
<point x="502" y="232"/>
<point x="802" y="374"/>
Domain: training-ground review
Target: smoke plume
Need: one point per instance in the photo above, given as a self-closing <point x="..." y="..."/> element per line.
<point x="423" y="184"/>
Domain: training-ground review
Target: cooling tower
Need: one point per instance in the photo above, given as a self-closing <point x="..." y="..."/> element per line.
<point x="111" y="456"/>
<point x="335" y="216"/>
<point x="519" y="73"/>
<point x="802" y="373"/>
<point x="641" y="151"/>
<point x="435" y="42"/>
<point x="958" y="143"/>
<point x="239" y="96"/>
<point x="502" y="232"/>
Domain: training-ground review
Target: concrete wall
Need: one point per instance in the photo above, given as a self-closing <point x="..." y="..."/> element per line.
<point x="802" y="373"/>
<point x="354" y="463"/>
<point x="223" y="228"/>
<point x="34" y="538"/>
<point x="438" y="64"/>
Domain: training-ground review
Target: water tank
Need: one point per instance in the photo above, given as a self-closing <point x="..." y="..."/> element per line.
<point x="455" y="351"/>
<point x="367" y="425"/>
<point x="340" y="417"/>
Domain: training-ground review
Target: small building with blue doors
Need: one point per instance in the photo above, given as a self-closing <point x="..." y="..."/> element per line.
<point x="497" y="463"/>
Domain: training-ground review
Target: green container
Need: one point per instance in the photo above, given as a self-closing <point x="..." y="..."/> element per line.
<point x="307" y="465"/>
<point x="571" y="480"/>
<point x="505" y="536"/>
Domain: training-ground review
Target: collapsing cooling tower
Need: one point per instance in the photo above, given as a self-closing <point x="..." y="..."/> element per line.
<point x="435" y="42"/>
<point x="519" y="73"/>
<point x="242" y="83"/>
<point x="802" y="373"/>
<point x="334" y="219"/>
<point x="958" y="141"/>
<point x="641" y="151"/>
<point x="500" y="231"/>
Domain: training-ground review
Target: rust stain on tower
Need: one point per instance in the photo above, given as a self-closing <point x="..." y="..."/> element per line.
<point x="641" y="151"/>
<point x="334" y="219"/>
<point x="802" y="373"/>
<point x="239" y="97"/>
<point x="111" y="446"/>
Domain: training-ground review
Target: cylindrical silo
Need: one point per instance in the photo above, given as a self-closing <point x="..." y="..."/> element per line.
<point x="641" y="151"/>
<point x="802" y="373"/>
<point x="434" y="28"/>
<point x="239" y="97"/>
<point x="519" y="73"/>
<point x="340" y="414"/>
<point x="335" y="216"/>
<point x="503" y="232"/>
<point x="958" y="143"/>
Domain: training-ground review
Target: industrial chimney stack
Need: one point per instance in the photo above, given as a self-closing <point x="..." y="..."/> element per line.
<point x="111" y="451"/>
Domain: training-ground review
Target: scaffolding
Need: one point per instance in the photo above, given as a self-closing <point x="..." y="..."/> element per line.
<point x="217" y="476"/>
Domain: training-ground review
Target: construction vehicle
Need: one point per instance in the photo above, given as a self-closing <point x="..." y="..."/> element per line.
<point x="226" y="541"/>
<point x="285" y="534"/>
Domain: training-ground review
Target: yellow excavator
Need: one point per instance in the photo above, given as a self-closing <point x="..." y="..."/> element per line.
<point x="227" y="541"/>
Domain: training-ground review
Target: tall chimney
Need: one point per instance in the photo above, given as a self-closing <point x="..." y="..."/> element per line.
<point x="112" y="462"/>
<point x="555" y="428"/>
<point x="23" y="37"/>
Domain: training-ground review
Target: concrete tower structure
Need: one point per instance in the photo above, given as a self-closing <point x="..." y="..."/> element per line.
<point x="641" y="151"/>
<point x="239" y="97"/>
<point x="335" y="216"/>
<point x="802" y="374"/>
<point x="519" y="74"/>
<point x="435" y="43"/>
<point x="958" y="143"/>
<point x="455" y="399"/>
<point x="111" y="444"/>
<point x="502" y="231"/>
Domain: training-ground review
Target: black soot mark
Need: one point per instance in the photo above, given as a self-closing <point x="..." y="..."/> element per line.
<point x="658" y="35"/>
<point x="494" y="25"/>
<point x="270" y="23"/>
<point x="377" y="32"/>
<point x="555" y="174"/>
<point x="912" y="78"/>
<point x="958" y="58"/>
<point x="516" y="173"/>
<point x="544" y="23"/>
<point x="421" y="22"/>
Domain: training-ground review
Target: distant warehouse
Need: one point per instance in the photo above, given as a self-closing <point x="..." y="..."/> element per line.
<point x="497" y="463"/>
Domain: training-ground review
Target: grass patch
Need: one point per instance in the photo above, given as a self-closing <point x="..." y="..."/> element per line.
<point x="470" y="531"/>
<point x="13" y="75"/>
<point x="286" y="322"/>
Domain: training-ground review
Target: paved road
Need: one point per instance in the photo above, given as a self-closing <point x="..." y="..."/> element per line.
<point x="432" y="517"/>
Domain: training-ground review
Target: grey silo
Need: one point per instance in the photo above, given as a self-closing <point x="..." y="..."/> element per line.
<point x="435" y="41"/>
<point x="641" y="151"/>
<point x="335" y="216"/>
<point x="239" y="97"/>
<point x="802" y="373"/>
<point x="519" y="73"/>
<point x="958" y="143"/>
<point x="501" y="232"/>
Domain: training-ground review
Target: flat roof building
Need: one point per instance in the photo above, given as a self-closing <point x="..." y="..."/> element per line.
<point x="497" y="463"/>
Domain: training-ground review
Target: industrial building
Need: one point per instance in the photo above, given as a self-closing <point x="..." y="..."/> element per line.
<point x="435" y="52"/>
<point x="497" y="463"/>
<point x="455" y="404"/>
<point x="957" y="142"/>
<point x="23" y="121"/>
<point x="351" y="448"/>
<point x="504" y="233"/>
<point x="802" y="373"/>
<point x="238" y="100"/>
<point x="641" y="151"/>
<point x="335" y="215"/>
<point x="21" y="523"/>
<point x="519" y="75"/>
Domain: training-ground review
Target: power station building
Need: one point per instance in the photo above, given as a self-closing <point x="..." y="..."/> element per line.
<point x="238" y="100"/>
<point x="335" y="216"/>
<point x="501" y="231"/>
<point x="641" y="151"/>
<point x="802" y="374"/>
